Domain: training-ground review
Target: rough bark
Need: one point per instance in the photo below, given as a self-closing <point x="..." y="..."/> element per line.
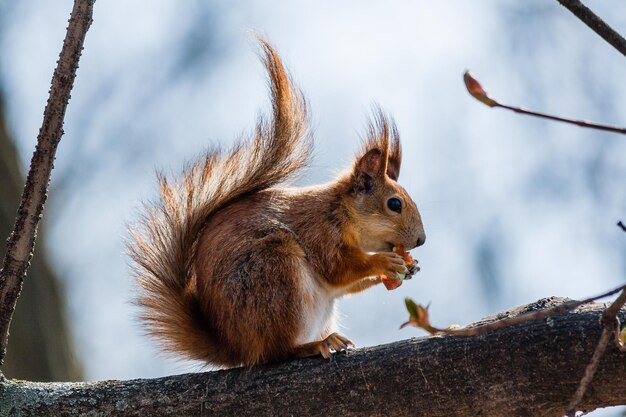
<point x="21" y="242"/>
<point x="531" y="369"/>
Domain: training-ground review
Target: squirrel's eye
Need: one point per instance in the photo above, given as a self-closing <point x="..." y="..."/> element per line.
<point x="394" y="204"/>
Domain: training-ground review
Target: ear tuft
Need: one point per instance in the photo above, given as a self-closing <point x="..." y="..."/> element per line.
<point x="395" y="154"/>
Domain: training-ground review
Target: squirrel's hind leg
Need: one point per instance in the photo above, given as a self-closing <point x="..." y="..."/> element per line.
<point x="263" y="299"/>
<point x="333" y="343"/>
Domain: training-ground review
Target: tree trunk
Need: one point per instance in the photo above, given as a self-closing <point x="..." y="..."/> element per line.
<point x="531" y="369"/>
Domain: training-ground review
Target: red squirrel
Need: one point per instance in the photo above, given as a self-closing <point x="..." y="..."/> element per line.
<point x="235" y="270"/>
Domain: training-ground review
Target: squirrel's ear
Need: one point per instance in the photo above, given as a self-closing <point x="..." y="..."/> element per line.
<point x="382" y="153"/>
<point x="395" y="154"/>
<point x="370" y="167"/>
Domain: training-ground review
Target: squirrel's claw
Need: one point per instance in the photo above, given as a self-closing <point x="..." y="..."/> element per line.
<point x="333" y="343"/>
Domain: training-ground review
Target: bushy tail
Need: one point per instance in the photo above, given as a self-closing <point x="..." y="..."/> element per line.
<point x="163" y="247"/>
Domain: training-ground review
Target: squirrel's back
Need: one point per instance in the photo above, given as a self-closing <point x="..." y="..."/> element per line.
<point x="164" y="245"/>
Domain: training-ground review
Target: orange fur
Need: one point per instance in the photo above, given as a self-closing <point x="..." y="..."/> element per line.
<point x="234" y="270"/>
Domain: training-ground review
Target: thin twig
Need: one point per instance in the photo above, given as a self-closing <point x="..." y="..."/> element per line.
<point x="590" y="371"/>
<point x="21" y="242"/>
<point x="570" y="305"/>
<point x="581" y="123"/>
<point x="610" y="321"/>
<point x="478" y="92"/>
<point x="419" y="316"/>
<point x="610" y="314"/>
<point x="611" y="325"/>
<point x="596" y="24"/>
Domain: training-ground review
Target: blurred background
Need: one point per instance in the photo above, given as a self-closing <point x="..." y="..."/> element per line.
<point x="515" y="208"/>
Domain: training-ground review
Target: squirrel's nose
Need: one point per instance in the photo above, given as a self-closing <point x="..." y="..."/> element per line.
<point x="421" y="240"/>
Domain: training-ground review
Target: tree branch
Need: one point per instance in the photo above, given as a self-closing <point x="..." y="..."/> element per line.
<point x="528" y="369"/>
<point x="21" y="242"/>
<point x="596" y="24"/>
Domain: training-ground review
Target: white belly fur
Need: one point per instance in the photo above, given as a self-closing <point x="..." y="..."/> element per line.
<point x="318" y="308"/>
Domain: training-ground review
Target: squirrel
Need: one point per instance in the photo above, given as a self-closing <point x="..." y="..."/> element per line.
<point x="234" y="269"/>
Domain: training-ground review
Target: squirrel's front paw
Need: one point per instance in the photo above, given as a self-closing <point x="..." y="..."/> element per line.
<point x="391" y="264"/>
